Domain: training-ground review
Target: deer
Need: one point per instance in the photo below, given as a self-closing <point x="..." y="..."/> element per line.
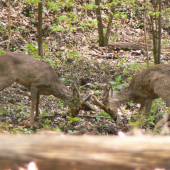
<point x="146" y="86"/>
<point x="41" y="79"/>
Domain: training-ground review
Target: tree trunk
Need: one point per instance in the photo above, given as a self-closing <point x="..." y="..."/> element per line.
<point x="40" y="42"/>
<point x="146" y="42"/>
<point x="159" y="33"/>
<point x="9" y="23"/>
<point x="156" y="30"/>
<point x="99" y="24"/>
<point x="109" y="27"/>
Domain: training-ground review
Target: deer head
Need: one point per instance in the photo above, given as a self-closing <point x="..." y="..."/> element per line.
<point x="106" y="104"/>
<point x="77" y="102"/>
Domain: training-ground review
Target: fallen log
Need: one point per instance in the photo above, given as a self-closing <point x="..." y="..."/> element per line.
<point x="60" y="152"/>
<point x="128" y="46"/>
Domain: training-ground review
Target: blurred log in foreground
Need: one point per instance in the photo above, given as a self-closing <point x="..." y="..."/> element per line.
<point x="59" y="152"/>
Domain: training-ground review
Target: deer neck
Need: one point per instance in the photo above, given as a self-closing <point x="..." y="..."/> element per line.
<point x="62" y="92"/>
<point x="59" y="90"/>
<point x="123" y="96"/>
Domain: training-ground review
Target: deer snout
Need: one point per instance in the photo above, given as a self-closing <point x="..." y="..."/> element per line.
<point x="75" y="111"/>
<point x="115" y="119"/>
<point x="112" y="112"/>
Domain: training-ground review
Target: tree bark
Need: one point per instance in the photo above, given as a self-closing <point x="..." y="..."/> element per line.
<point x="146" y="42"/>
<point x="9" y="24"/>
<point x="159" y="33"/>
<point x="99" y="24"/>
<point x="40" y="42"/>
<point x="156" y="30"/>
<point x="51" y="151"/>
<point x="109" y="27"/>
<point x="135" y="46"/>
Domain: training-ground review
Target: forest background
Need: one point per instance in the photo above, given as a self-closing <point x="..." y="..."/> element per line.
<point x="91" y="42"/>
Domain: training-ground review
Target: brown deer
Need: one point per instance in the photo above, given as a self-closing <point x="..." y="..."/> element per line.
<point x="150" y="84"/>
<point x="40" y="78"/>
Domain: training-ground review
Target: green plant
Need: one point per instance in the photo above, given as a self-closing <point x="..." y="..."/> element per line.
<point x="121" y="63"/>
<point x="117" y="82"/>
<point x="2" y="51"/>
<point x="47" y="127"/>
<point x="14" y="48"/>
<point x="16" y="27"/>
<point x="72" y="131"/>
<point x="47" y="121"/>
<point x="4" y="124"/>
<point x="74" y="54"/>
<point x="37" y="130"/>
<point x="125" y="72"/>
<point x="139" y="121"/>
<point x="59" y="28"/>
<point x="26" y="131"/>
<point x="2" y="29"/>
<point x="106" y="114"/>
<point x="71" y="120"/>
<point x="21" y="109"/>
<point x="90" y="6"/>
<point x="32" y="1"/>
<point x="150" y="121"/>
<point x="136" y="66"/>
<point x="8" y="108"/>
<point x="2" y="111"/>
<point x="96" y="85"/>
<point x="32" y="50"/>
<point x="58" y="130"/>
<point x="60" y="4"/>
<point x="98" y="117"/>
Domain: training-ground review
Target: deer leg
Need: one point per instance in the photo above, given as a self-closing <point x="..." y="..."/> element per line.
<point x="148" y="105"/>
<point x="37" y="104"/>
<point x="142" y="106"/>
<point x="5" y="82"/>
<point x="34" y="101"/>
<point x="145" y="102"/>
<point x="161" y="122"/>
<point x="163" y="92"/>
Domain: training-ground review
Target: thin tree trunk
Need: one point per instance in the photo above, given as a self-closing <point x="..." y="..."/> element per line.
<point x="40" y="42"/>
<point x="156" y="32"/>
<point x="159" y="33"/>
<point x="100" y="24"/>
<point x="9" y="23"/>
<point x="146" y="43"/>
<point x="154" y="41"/>
<point x="109" y="27"/>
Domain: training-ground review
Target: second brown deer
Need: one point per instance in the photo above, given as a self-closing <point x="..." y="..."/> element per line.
<point x="149" y="84"/>
<point x="40" y="78"/>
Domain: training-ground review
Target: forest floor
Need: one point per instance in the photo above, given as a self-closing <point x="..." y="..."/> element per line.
<point x="76" y="58"/>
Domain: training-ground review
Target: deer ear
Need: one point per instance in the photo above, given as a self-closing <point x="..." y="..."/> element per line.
<point x="76" y="93"/>
<point x="108" y="93"/>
